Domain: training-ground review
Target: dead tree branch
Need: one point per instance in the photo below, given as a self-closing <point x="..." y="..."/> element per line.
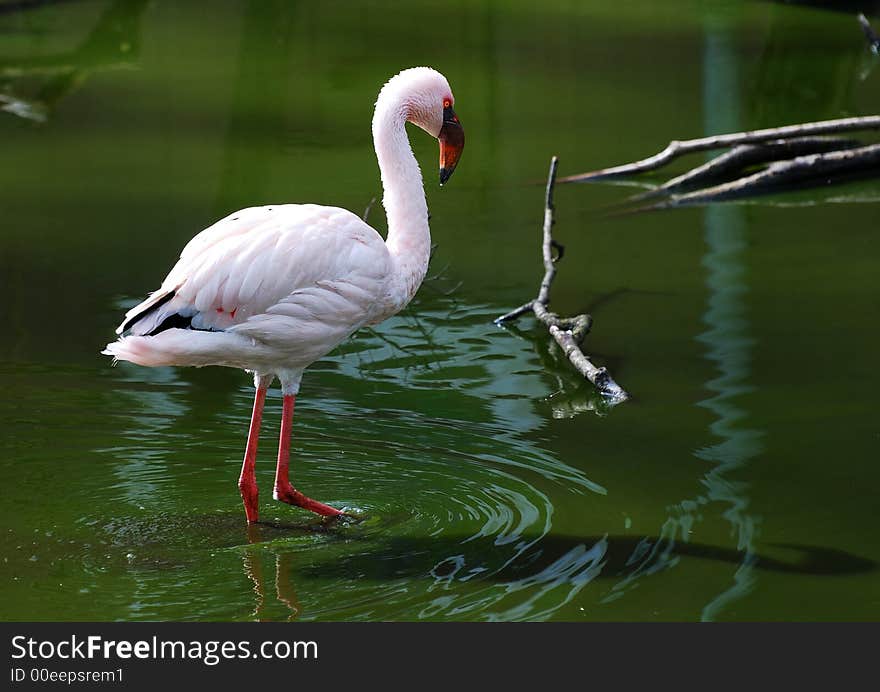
<point x="568" y="332"/>
<point x="743" y="156"/>
<point x="782" y="173"/>
<point x="678" y="148"/>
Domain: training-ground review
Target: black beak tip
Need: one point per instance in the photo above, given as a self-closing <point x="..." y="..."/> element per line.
<point x="445" y="173"/>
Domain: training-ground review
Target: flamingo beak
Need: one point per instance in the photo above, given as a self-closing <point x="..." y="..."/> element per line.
<point x="451" y="139"/>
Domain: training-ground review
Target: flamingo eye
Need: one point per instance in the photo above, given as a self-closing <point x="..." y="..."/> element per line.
<point x="447" y="103"/>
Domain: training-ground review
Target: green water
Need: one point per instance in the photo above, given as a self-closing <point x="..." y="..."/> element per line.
<point x="739" y="483"/>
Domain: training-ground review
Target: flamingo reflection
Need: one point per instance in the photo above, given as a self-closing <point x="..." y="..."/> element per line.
<point x="253" y="569"/>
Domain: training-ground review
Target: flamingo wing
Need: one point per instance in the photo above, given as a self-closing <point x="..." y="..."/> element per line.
<point x="265" y="271"/>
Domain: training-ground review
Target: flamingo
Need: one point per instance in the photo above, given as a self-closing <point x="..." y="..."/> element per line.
<point x="272" y="289"/>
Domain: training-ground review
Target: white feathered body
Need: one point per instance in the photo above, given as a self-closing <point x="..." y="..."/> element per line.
<point x="273" y="289"/>
<point x="268" y="289"/>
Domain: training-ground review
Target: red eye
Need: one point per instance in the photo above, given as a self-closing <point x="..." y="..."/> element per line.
<point x="447" y="103"/>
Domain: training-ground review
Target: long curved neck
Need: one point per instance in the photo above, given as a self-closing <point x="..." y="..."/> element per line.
<point x="409" y="238"/>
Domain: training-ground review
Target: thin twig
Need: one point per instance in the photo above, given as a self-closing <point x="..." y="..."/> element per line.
<point x="516" y="312"/>
<point x="368" y="209"/>
<point x="568" y="332"/>
<point x="678" y="148"/>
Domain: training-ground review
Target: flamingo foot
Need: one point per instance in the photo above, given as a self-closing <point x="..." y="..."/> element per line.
<point x="287" y="493"/>
<point x="284" y="491"/>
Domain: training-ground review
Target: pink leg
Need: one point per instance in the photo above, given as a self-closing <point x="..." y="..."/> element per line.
<point x="247" y="482"/>
<point x="284" y="491"/>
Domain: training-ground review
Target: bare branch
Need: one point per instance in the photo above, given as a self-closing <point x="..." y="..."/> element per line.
<point x="516" y="312"/>
<point x="781" y="173"/>
<point x="547" y="244"/>
<point x="679" y="148"/>
<point x="598" y="376"/>
<point x="746" y="155"/>
<point x="568" y="332"/>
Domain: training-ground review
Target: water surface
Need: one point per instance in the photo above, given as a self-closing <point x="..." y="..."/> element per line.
<point x="737" y="484"/>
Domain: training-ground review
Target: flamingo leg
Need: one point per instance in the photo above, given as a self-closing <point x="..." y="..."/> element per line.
<point x="284" y="491"/>
<point x="247" y="481"/>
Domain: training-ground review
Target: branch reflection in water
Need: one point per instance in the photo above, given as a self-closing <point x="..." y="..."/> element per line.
<point x="729" y="349"/>
<point x="402" y="576"/>
<point x="727" y="335"/>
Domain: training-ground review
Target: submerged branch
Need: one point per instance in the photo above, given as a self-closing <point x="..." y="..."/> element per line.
<point x="678" y="148"/>
<point x="568" y="332"/>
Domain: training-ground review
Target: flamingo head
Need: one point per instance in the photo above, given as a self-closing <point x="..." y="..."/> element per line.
<point x="428" y="103"/>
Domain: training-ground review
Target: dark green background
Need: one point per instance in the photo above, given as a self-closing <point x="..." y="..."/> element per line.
<point x="739" y="483"/>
